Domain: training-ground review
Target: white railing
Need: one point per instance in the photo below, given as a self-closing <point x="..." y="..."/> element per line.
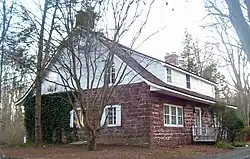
<point x="204" y="133"/>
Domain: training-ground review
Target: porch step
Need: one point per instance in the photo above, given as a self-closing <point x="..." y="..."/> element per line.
<point x="82" y="135"/>
<point x="78" y="143"/>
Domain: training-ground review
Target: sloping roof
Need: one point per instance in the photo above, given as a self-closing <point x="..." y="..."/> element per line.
<point x="125" y="56"/>
<point x="124" y="53"/>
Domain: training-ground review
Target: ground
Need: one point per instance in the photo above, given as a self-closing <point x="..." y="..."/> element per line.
<point x="118" y="152"/>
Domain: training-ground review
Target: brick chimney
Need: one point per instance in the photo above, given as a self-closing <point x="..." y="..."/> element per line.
<point x="172" y="58"/>
<point x="85" y="19"/>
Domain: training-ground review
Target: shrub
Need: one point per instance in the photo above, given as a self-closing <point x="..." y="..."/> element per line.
<point x="224" y="145"/>
<point x="229" y="121"/>
<point x="247" y="133"/>
<point x="239" y="144"/>
<point x="55" y="117"/>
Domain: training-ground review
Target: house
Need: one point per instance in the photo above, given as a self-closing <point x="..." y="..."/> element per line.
<point x="159" y="105"/>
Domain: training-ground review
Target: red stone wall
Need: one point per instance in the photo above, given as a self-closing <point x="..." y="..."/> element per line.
<point x="142" y="119"/>
<point x="172" y="136"/>
<point x="134" y="129"/>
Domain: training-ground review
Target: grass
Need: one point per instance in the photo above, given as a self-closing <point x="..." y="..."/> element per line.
<point x="230" y="145"/>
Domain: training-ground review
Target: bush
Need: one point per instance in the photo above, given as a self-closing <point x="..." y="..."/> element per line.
<point x="247" y="133"/>
<point x="229" y="121"/>
<point x="239" y="144"/>
<point x="224" y="145"/>
<point x="55" y="117"/>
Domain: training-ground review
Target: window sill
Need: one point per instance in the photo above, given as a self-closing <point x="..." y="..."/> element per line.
<point x="175" y="126"/>
<point x="112" y="126"/>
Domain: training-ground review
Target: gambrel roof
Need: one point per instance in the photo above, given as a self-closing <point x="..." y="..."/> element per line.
<point x="124" y="53"/>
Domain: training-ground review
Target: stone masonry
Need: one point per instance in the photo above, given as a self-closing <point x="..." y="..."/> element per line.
<point x="142" y="119"/>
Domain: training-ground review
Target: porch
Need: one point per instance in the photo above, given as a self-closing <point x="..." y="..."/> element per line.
<point x="204" y="134"/>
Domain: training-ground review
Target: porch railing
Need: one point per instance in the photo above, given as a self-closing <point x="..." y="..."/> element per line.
<point x="204" y="134"/>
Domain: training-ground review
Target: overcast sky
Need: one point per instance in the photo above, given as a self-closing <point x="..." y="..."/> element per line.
<point x="185" y="15"/>
<point x="177" y="16"/>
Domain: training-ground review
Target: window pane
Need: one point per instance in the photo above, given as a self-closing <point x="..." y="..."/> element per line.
<point x="114" y="121"/>
<point x="180" y="111"/>
<point x="173" y="118"/>
<point x="169" y="79"/>
<point x="169" y="71"/>
<point x="173" y="110"/>
<point x="166" y="109"/>
<point x="180" y="121"/>
<point x="111" y="116"/>
<point x="166" y="119"/>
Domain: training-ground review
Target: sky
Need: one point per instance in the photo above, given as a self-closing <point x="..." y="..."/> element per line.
<point x="185" y="15"/>
<point x="175" y="17"/>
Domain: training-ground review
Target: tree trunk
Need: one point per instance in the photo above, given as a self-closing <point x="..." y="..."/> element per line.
<point x="91" y="140"/>
<point x="38" y="127"/>
<point x="240" y="25"/>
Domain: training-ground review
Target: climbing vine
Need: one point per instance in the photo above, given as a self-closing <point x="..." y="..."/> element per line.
<point x="55" y="117"/>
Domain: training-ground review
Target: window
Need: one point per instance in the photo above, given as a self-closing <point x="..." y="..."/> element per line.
<point x="188" y="81"/>
<point x="52" y="86"/>
<point x="112" y="74"/>
<point x="111" y="120"/>
<point x="173" y="115"/>
<point x="111" y="116"/>
<point x="169" y="75"/>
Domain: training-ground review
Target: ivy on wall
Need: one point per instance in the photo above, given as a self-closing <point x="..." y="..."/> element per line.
<point x="55" y="117"/>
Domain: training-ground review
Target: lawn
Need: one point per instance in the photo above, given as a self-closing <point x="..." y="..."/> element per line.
<point x="109" y="152"/>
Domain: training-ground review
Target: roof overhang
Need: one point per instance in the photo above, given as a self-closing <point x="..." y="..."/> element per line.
<point x="167" y="91"/>
<point x="231" y="106"/>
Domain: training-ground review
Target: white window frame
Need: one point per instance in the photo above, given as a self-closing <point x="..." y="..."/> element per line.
<point x="170" y="106"/>
<point x="114" y="117"/>
<point x="169" y="74"/>
<point x="104" y="120"/>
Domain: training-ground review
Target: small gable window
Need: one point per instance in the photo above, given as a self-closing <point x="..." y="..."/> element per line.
<point x="169" y="74"/>
<point x="188" y="81"/>
<point x="112" y="74"/>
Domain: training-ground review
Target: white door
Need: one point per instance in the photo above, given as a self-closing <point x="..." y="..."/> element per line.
<point x="197" y="120"/>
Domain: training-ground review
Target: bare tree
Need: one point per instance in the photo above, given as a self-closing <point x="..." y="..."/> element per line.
<point x="45" y="29"/>
<point x="87" y="62"/>
<point x="6" y="13"/>
<point x="232" y="51"/>
<point x="233" y="10"/>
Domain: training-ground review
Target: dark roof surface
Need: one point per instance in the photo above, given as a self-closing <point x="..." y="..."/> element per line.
<point x="143" y="72"/>
<point x="124" y="53"/>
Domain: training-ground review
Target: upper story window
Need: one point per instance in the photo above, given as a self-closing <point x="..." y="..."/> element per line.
<point x="52" y="84"/>
<point x="188" y="81"/>
<point x="112" y="74"/>
<point x="173" y="115"/>
<point x="169" y="74"/>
